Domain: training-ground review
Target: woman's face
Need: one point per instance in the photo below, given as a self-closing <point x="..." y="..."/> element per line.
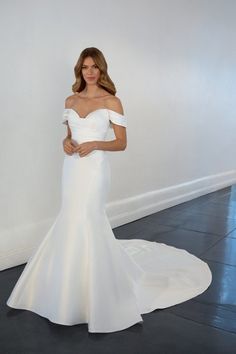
<point x="90" y="71"/>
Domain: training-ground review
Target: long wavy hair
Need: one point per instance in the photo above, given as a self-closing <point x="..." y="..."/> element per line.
<point x="104" y="80"/>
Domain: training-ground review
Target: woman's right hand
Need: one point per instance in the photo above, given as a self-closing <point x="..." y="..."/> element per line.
<point x="68" y="146"/>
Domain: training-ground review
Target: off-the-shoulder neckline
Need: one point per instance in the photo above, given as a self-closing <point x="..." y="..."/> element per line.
<point x="98" y="109"/>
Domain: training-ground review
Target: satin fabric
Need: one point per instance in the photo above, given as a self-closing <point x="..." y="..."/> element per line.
<point x="81" y="273"/>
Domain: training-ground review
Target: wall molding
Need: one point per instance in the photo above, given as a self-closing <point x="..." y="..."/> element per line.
<point x="133" y="208"/>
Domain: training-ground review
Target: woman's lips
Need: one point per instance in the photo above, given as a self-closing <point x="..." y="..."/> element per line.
<point x="91" y="78"/>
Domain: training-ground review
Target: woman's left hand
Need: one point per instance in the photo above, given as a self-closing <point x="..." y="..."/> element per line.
<point x="85" y="148"/>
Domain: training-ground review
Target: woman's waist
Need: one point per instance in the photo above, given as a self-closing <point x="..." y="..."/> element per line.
<point x="94" y="155"/>
<point x="83" y="138"/>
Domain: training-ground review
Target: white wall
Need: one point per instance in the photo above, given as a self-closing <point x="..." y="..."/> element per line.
<point x="173" y="63"/>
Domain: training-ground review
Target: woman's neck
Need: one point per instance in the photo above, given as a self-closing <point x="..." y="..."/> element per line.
<point x="91" y="91"/>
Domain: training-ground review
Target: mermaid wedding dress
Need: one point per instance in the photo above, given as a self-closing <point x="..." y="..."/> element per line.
<point x="80" y="273"/>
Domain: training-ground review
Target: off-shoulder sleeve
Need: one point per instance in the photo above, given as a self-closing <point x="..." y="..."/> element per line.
<point x="65" y="116"/>
<point x="117" y="118"/>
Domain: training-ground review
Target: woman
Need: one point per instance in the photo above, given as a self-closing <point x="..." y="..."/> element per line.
<point x="80" y="272"/>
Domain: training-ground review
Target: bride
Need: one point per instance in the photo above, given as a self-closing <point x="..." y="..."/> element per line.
<point x="80" y="273"/>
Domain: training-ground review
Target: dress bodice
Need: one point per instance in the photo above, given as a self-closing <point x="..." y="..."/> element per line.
<point x="94" y="126"/>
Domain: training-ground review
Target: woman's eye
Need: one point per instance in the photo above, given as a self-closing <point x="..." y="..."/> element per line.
<point x="84" y="67"/>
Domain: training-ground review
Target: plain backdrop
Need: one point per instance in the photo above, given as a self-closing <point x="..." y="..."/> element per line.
<point x="173" y="64"/>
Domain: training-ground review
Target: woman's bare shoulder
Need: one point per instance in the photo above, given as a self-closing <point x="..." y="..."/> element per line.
<point x="114" y="103"/>
<point x="70" y="100"/>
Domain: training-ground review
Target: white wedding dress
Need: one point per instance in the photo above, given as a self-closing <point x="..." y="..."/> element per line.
<point x="80" y="273"/>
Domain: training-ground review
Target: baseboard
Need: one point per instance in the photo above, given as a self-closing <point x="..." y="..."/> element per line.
<point x="132" y="208"/>
<point x="17" y="244"/>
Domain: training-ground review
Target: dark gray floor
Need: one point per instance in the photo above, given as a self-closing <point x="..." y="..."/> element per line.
<point x="206" y="227"/>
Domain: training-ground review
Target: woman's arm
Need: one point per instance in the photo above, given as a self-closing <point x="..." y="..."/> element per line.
<point x="120" y="142"/>
<point x="67" y="144"/>
<point x="113" y="145"/>
<point x="68" y="132"/>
